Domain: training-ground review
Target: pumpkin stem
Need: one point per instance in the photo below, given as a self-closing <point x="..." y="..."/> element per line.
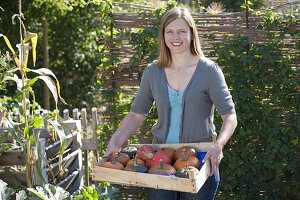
<point x="183" y="156"/>
<point x="161" y="164"/>
<point x="149" y="154"/>
<point x="135" y="160"/>
<point x="119" y="151"/>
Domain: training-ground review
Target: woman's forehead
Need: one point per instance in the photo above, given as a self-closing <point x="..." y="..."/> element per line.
<point x="178" y="23"/>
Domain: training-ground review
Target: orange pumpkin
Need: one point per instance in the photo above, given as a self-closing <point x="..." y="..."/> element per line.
<point x="190" y="151"/>
<point x="138" y="162"/>
<point x="185" y="160"/>
<point x="135" y="167"/>
<point x="112" y="165"/>
<point x="162" y="169"/>
<point x="122" y="158"/>
<point x="170" y="152"/>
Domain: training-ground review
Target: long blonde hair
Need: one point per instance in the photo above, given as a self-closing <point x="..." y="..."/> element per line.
<point x="164" y="58"/>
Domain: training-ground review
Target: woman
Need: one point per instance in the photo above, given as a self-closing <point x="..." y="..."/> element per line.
<point x="185" y="86"/>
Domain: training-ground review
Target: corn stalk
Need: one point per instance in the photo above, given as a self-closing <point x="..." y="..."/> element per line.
<point x="24" y="85"/>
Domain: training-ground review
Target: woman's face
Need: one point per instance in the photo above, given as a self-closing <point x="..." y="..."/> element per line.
<point x="178" y="36"/>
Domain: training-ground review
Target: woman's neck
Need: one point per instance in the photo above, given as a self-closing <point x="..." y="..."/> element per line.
<point x="184" y="61"/>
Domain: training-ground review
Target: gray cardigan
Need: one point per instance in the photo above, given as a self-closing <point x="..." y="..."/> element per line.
<point x="206" y="89"/>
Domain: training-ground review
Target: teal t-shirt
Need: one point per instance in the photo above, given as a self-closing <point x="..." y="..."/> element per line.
<point x="175" y="98"/>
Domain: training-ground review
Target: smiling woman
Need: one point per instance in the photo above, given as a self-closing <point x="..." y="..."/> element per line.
<point x="185" y="87"/>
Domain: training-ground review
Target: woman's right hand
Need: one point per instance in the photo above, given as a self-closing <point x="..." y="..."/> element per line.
<point x="111" y="148"/>
<point x="129" y="125"/>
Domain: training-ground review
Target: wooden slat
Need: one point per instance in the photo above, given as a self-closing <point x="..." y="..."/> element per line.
<point x="66" y="182"/>
<point x="201" y="146"/>
<point x="20" y="176"/>
<point x="142" y="180"/>
<point x="11" y="158"/>
<point x="152" y="180"/>
<point x="53" y="149"/>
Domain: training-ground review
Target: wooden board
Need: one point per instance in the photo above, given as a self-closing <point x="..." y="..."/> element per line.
<point x="192" y="184"/>
<point x="11" y="158"/>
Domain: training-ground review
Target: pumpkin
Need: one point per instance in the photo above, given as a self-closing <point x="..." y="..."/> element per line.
<point x="170" y="152"/>
<point x="190" y="151"/>
<point x="130" y="151"/>
<point x="122" y="158"/>
<point x="184" y="161"/>
<point x="156" y="157"/>
<point x="112" y="165"/>
<point x="135" y="167"/>
<point x="145" y="152"/>
<point x="138" y="161"/>
<point x="162" y="168"/>
<point x="184" y="172"/>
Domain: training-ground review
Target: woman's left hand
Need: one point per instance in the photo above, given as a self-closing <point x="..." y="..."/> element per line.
<point x="215" y="155"/>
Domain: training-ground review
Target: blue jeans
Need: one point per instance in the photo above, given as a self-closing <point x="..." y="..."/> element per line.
<point x="207" y="192"/>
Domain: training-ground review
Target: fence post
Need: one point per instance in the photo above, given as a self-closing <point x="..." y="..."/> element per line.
<point x="66" y="114"/>
<point x="247" y="14"/>
<point x="85" y="152"/>
<point x="75" y="114"/>
<point x="94" y="129"/>
<point x="37" y="179"/>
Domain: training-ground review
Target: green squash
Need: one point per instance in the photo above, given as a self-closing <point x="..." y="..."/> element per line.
<point x="137" y="168"/>
<point x="130" y="151"/>
<point x="183" y="173"/>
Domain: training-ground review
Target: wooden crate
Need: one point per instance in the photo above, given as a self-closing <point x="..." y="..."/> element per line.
<point x="191" y="184"/>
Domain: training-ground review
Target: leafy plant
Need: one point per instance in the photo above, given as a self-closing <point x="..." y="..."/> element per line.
<point x="5" y="192"/>
<point x="261" y="80"/>
<point x="50" y="192"/>
<point x="87" y="193"/>
<point x="24" y="85"/>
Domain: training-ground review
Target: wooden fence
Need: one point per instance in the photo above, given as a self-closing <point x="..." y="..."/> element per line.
<point x="81" y="137"/>
<point x="213" y="30"/>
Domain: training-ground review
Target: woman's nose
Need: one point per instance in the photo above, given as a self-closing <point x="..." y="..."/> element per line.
<point x="176" y="35"/>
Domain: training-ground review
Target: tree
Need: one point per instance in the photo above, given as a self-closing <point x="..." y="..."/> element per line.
<point x="73" y="38"/>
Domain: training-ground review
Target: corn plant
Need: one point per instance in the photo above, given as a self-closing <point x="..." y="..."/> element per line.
<point x="24" y="85"/>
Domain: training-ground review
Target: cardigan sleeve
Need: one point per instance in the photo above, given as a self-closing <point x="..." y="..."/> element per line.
<point x="144" y="98"/>
<point x="219" y="92"/>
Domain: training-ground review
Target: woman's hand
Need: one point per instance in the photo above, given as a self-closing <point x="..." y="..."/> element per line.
<point x="130" y="124"/>
<point x="111" y="148"/>
<point x="215" y="155"/>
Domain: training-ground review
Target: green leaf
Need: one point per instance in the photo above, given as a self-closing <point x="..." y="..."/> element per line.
<point x="26" y="132"/>
<point x="45" y="71"/>
<point x="51" y="85"/>
<point x="13" y="179"/>
<point x="38" y="168"/>
<point x="5" y="192"/>
<point x="11" y="49"/>
<point x="62" y="138"/>
<point x="30" y="83"/>
<point x="37" y="122"/>
<point x="5" y="147"/>
<point x="21" y="195"/>
<point x="38" y="192"/>
<point x="4" y="137"/>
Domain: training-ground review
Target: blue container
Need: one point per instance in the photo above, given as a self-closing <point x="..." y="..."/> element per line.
<point x="200" y="156"/>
